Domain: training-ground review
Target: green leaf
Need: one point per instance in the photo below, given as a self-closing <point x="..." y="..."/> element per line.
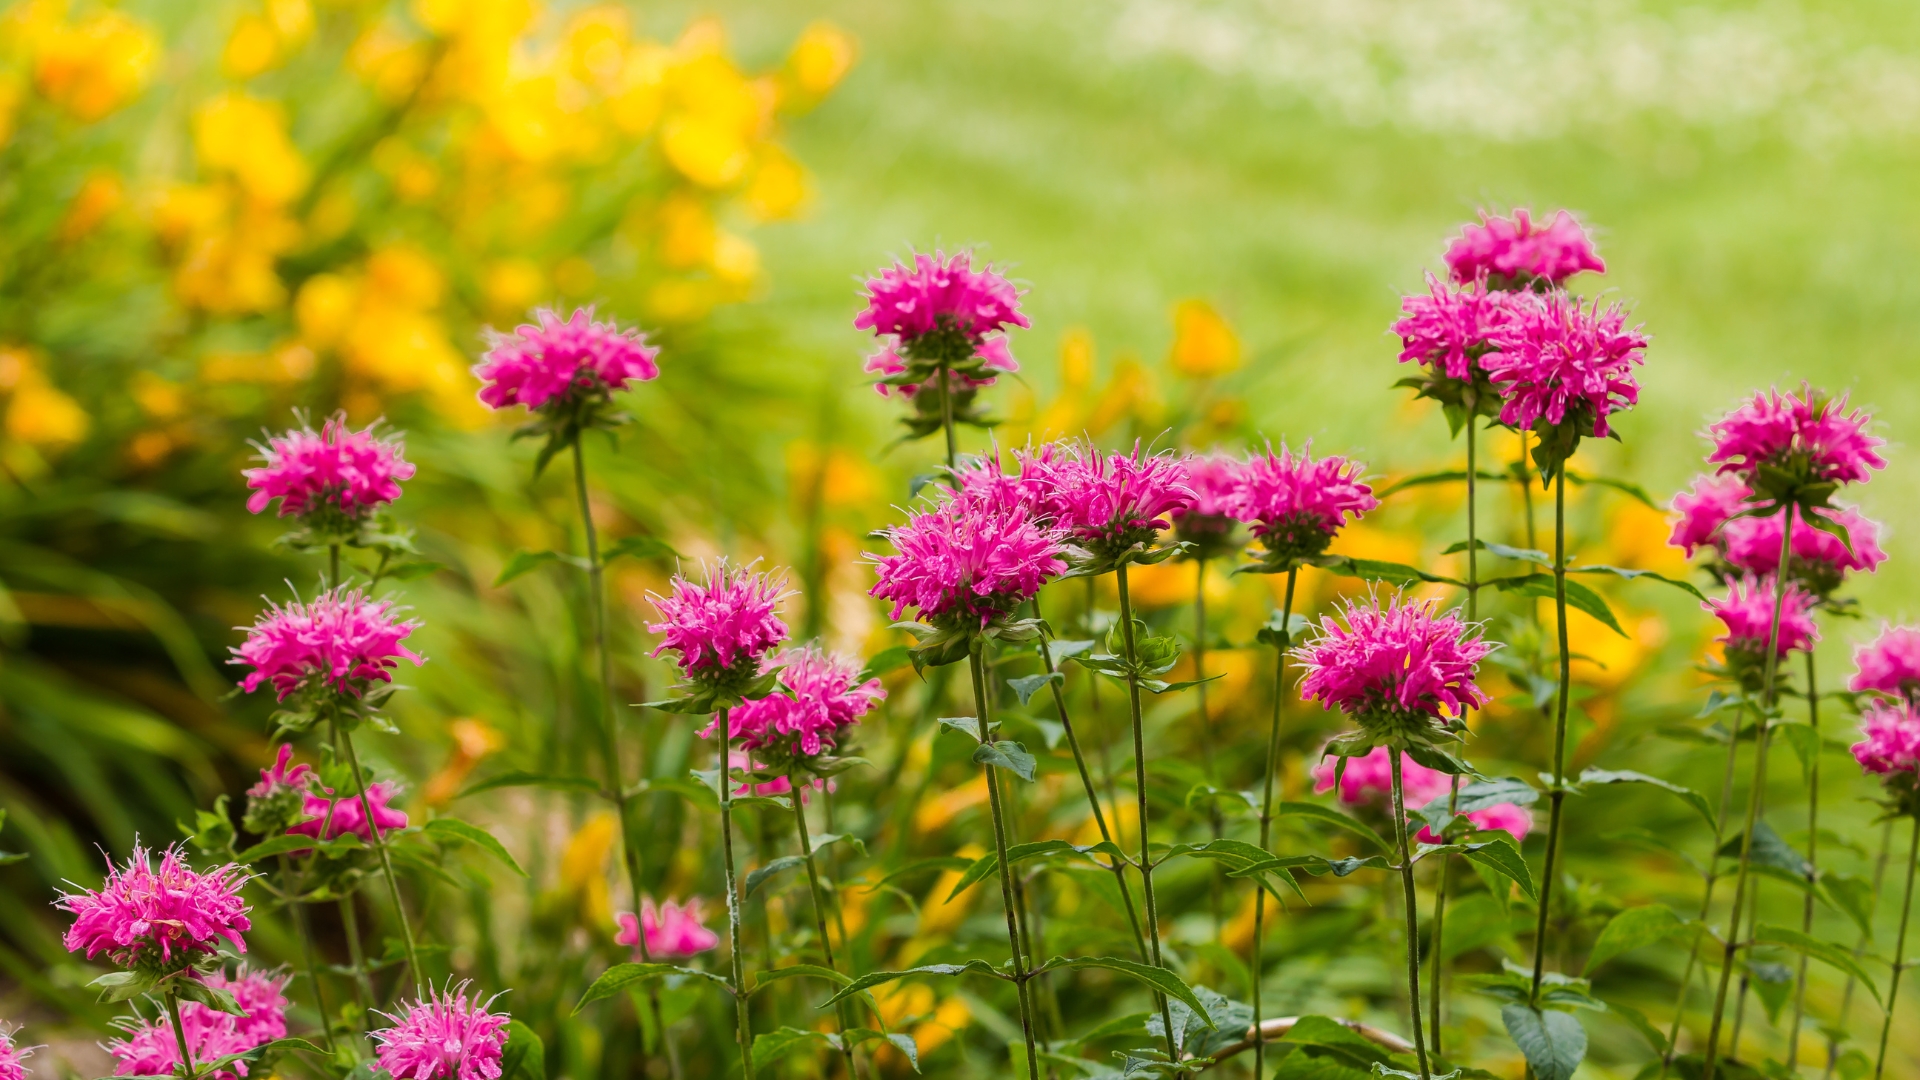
<point x="902" y="1043"/>
<point x="454" y="828"/>
<point x="1006" y="754"/>
<point x="892" y="658"/>
<point x="1540" y="558"/>
<point x="1486" y="794"/>
<point x="639" y="547"/>
<point x="1691" y="797"/>
<point x="880" y="978"/>
<point x="524" y="561"/>
<point x="936" y="862"/>
<point x="1553" y="1042"/>
<point x="797" y="971"/>
<point x="525" y="1056"/>
<point x="1626" y="487"/>
<point x="412" y="569"/>
<point x="1635" y="928"/>
<point x="283" y="844"/>
<point x="1316" y="865"/>
<point x="1376" y="570"/>
<point x="1578" y="596"/>
<point x="1770" y="853"/>
<point x="967" y="724"/>
<point x="620" y="976"/>
<point x="1623" y="572"/>
<point x="1342" y="1044"/>
<point x="759" y="875"/>
<point x="1331" y="817"/>
<point x="1826" y="952"/>
<point x="1851" y="894"/>
<point x="1028" y="685"/>
<point x="1067" y="650"/>
<point x="1805" y="741"/>
<point x="1502" y="857"/>
<point x="1639" y="1022"/>
<point x="1155" y="978"/>
<point x="774" y="1045"/>
<point x="1019" y="853"/>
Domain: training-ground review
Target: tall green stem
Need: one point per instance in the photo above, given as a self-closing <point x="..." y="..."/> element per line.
<point x="1899" y="951"/>
<point x="1762" y="739"/>
<point x="304" y="927"/>
<point x="1559" y="792"/>
<point x="386" y="869"/>
<point x="1860" y="949"/>
<point x="1813" y="866"/>
<point x="1453" y="788"/>
<point x="1266" y="817"/>
<point x="1413" y="912"/>
<point x="610" y="742"/>
<point x="357" y="956"/>
<point x="977" y="662"/>
<point x="946" y="414"/>
<point x="180" y="1033"/>
<point x="1114" y="863"/>
<point x="736" y="957"/>
<point x="819" y="905"/>
<point x="1206" y="733"/>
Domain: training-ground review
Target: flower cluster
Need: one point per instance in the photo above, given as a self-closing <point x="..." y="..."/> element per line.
<point x="556" y="362"/>
<point x="328" y="818"/>
<point x="279" y="799"/>
<point x="966" y="562"/>
<point x="341" y="639"/>
<point x="723" y="628"/>
<point x="942" y="304"/>
<point x="1889" y="664"/>
<point x="1702" y="511"/>
<point x="1891" y="742"/>
<point x="1393" y="667"/>
<point x="1295" y="503"/>
<point x="1516" y="252"/>
<point x="1108" y="502"/>
<point x="150" y="1047"/>
<point x="1207" y="522"/>
<point x="674" y="931"/>
<point x="1818" y="558"/>
<point x="1452" y="329"/>
<point x="443" y="1037"/>
<point x="164" y="918"/>
<point x="819" y="696"/>
<point x="334" y="468"/>
<point x="1781" y="444"/>
<point x="1368" y="780"/>
<point x="1565" y="363"/>
<point x="11" y="1055"/>
<point x="1747" y="612"/>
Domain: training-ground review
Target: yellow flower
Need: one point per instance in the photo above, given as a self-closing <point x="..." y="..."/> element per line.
<point x="583" y="867"/>
<point x="252" y="47"/>
<point x="95" y="65"/>
<point x="735" y="260"/>
<point x="1204" y="346"/>
<point x="389" y="61"/>
<point x="821" y="58"/>
<point x="512" y="285"/>
<point x="322" y="309"/>
<point x="38" y="414"/>
<point x="687" y="232"/>
<point x="779" y="185"/>
<point x="100" y="195"/>
<point x="247" y="137"/>
<point x="635" y="101"/>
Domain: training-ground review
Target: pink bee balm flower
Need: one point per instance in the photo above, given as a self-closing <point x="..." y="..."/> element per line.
<point x="1451" y="329"/>
<point x="674" y="931"/>
<point x="966" y="561"/>
<point x="1704" y="510"/>
<point x="1111" y="502"/>
<point x="11" y="1056"/>
<point x="1819" y="557"/>
<point x="150" y="1047"/>
<point x="1890" y="664"/>
<point x="1368" y="779"/>
<point x="1810" y="438"/>
<point x="341" y="639"/>
<point x="283" y="776"/>
<point x="443" y="1037"/>
<point x="551" y="361"/>
<point x="1404" y="662"/>
<point x="263" y="1001"/>
<point x="1747" y="612"/>
<point x="1516" y="250"/>
<point x="1208" y="521"/>
<point x="723" y="627"/>
<point x="143" y="917"/>
<point x="352" y="471"/>
<point x="1566" y="363"/>
<point x="940" y="294"/>
<point x="1892" y="738"/>
<point x="820" y="695"/>
<point x="1296" y="503"/>
<point x="338" y="817"/>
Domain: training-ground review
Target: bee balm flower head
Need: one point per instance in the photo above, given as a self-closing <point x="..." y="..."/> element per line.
<point x="158" y="918"/>
<point x="674" y="931"/>
<point x="12" y="1056"/>
<point x="340" y="642"/>
<point x="1820" y="560"/>
<point x="335" y="470"/>
<point x="1397" y="668"/>
<point x="443" y="1037"/>
<point x="1207" y="522"/>
<point x="1565" y="363"/>
<point x="1702" y="512"/>
<point x="940" y="308"/>
<point x="819" y="695"/>
<point x="1891" y="739"/>
<point x="1109" y="502"/>
<point x="721" y="629"/>
<point x="1889" y="664"/>
<point x="1782" y="444"/>
<point x="965" y="562"/>
<point x="1747" y="613"/>
<point x="1296" y="503"/>
<point x="1516" y="252"/>
<point x="1451" y="329"/>
<point x="326" y="817"/>
<point x="558" y="363"/>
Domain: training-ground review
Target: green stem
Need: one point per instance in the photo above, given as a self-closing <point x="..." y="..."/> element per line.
<point x="333" y="566"/>
<point x="386" y="868"/>
<point x="1762" y="739"/>
<point x="976" y="661"/>
<point x="819" y="905"/>
<point x="1813" y="866"/>
<point x="1558" y="794"/>
<point x="1254" y="958"/>
<point x="180" y="1033"/>
<point x="736" y="958"/>
<point x="1214" y="898"/>
<point x="1899" y="951"/>
<point x="1453" y="788"/>
<point x="1860" y="949"/>
<point x="1114" y="863"/>
<point x="357" y="955"/>
<point x="1413" y="913"/>
<point x="946" y="415"/>
<point x="610" y="743"/>
<point x="304" y="927"/>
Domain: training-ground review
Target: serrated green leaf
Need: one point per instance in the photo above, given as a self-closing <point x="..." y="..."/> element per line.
<point x="1635" y="928"/>
<point x="1554" y="1042"/>
<point x="1630" y="575"/>
<point x="525" y="1055"/>
<point x="965" y="724"/>
<point x="1317" y="812"/>
<point x="1502" y="857"/>
<point x="1028" y="685"/>
<point x="454" y="828"/>
<point x="620" y="976"/>
<point x="1625" y="776"/>
<point x="1006" y="754"/>
<point x="1578" y="596"/>
<point x="1826" y="952"/>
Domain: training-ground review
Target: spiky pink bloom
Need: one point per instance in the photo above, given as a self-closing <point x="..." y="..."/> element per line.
<point x="11" y="1056"/>
<point x="986" y="481"/>
<point x="819" y="696"/>
<point x="674" y="931"/>
<point x="336" y="466"/>
<point x="1452" y="329"/>
<point x="151" y="1049"/>
<point x="1368" y="780"/>
<point x="966" y="561"/>
<point x="1518" y="250"/>
<point x="1805" y="434"/>
<point x="939" y="293"/>
<point x="1753" y="544"/>
<point x="1892" y="738"/>
<point x="1561" y="359"/>
<point x="340" y="637"/>
<point x="443" y="1037"/>
<point x="1704" y="510"/>
<point x="725" y="625"/>
<point x="1747" y="613"/>
<point x="552" y="360"/>
<point x="1108" y="502"/>
<point x="1889" y="664"/>
<point x="348" y="815"/>
<point x="1404" y="660"/>
<point x="165" y="917"/>
<point x="1214" y="480"/>
<point x="283" y="776"/>
<point x="1296" y="503"/>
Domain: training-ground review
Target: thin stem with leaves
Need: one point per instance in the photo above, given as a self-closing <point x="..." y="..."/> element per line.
<point x="1453" y="787"/>
<point x="1412" y="909"/>
<point x="736" y="957"/>
<point x="172" y="999"/>
<point x="1813" y="863"/>
<point x="1557" y="795"/>
<point x="819" y="904"/>
<point x="386" y="868"/>
<point x="977" y="662"/>
<point x="1860" y="949"/>
<point x="1266" y="815"/>
<point x="1899" y="951"/>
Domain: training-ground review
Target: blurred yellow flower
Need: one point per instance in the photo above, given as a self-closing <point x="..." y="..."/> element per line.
<point x="247" y="137"/>
<point x="512" y="286"/>
<point x="99" y="196"/>
<point x="252" y="47"/>
<point x="1204" y="346"/>
<point x="821" y="58"/>
<point x="779" y="186"/>
<point x="583" y="867"/>
<point x="473" y="740"/>
<point x="735" y="260"/>
<point x="94" y="65"/>
<point x="38" y="413"/>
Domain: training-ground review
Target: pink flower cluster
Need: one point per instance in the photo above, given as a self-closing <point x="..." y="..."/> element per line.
<point x="722" y="626"/>
<point x="1889" y="664"/>
<point x="1214" y="480"/>
<point x="674" y="931"/>
<point x="144" y="916"/>
<point x="1107" y="502"/>
<point x="1452" y="329"/>
<point x="1368" y="780"/>
<point x="553" y="360"/>
<point x="443" y="1037"/>
<point x="1296" y="503"/>
<point x="1706" y="518"/>
<point x="11" y="1055"/>
<point x="1797" y="432"/>
<point x="348" y="815"/>
<point x="151" y="1048"/>
<point x="822" y="696"/>
<point x="1559" y="357"/>
<point x="1747" y="612"/>
<point x="1518" y="250"/>
<point x="354" y="471"/>
<point x="283" y="775"/>
<point x="1704" y="509"/>
<point x="966" y="560"/>
<point x="940" y="293"/>
<point x="341" y="636"/>
<point x="1403" y="659"/>
<point x="1892" y="738"/>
